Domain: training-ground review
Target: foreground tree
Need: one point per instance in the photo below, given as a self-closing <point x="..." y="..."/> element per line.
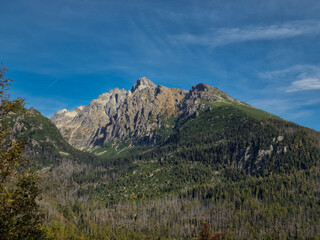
<point x="20" y="217"/>
<point x="206" y="234"/>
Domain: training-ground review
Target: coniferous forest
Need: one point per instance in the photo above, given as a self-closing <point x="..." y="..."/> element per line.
<point x="159" y="120"/>
<point x="229" y="172"/>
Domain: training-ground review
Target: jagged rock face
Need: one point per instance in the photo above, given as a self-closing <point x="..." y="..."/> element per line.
<point x="200" y="94"/>
<point x="135" y="114"/>
<point x="80" y="126"/>
<point x="142" y="83"/>
<point x="63" y="116"/>
<point x="118" y="114"/>
<point x="142" y="112"/>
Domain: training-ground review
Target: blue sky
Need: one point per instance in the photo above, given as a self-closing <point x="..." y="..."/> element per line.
<point x="62" y="54"/>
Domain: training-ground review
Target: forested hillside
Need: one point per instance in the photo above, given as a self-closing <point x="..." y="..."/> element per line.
<point x="247" y="173"/>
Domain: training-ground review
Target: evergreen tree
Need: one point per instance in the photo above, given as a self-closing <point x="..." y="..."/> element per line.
<point x="20" y="216"/>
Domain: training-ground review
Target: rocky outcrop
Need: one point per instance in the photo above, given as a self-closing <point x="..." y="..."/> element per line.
<point x="198" y="97"/>
<point x="134" y="114"/>
<point x="142" y="83"/>
<point x="81" y="125"/>
<point x="142" y="112"/>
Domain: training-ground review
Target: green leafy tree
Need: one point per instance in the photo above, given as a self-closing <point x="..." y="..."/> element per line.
<point x="20" y="216"/>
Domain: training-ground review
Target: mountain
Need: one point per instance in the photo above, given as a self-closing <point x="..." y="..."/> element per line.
<point x="202" y="125"/>
<point x="138" y="116"/>
<point x="203" y="130"/>
<point x="118" y="114"/>
<point x="44" y="143"/>
<point x="168" y="159"/>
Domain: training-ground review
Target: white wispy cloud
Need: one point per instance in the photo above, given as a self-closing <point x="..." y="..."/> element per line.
<point x="293" y="109"/>
<point x="295" y="78"/>
<point x="304" y="84"/>
<point x="277" y="106"/>
<point x="301" y="71"/>
<point x="223" y="36"/>
<point x="283" y="106"/>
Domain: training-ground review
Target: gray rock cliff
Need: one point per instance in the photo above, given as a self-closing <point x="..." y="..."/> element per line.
<point x="120" y="114"/>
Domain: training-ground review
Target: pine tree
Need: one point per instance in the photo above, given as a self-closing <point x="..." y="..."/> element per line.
<point x="20" y="216"/>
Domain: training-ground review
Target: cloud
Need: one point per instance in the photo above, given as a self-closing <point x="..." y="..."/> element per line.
<point x="292" y="109"/>
<point x="295" y="78"/>
<point x="223" y="36"/>
<point x="52" y="83"/>
<point x="301" y="71"/>
<point x="281" y="106"/>
<point x="304" y="84"/>
<point x="277" y="106"/>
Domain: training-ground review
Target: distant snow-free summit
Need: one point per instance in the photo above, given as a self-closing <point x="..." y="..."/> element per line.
<point x="135" y="114"/>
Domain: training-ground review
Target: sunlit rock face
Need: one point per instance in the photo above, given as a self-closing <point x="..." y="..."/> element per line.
<point x="134" y="114"/>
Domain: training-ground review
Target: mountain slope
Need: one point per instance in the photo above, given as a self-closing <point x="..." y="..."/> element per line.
<point x="44" y="143"/>
<point x="206" y="157"/>
<point x="183" y="140"/>
<point x="246" y="172"/>
<point x="221" y="140"/>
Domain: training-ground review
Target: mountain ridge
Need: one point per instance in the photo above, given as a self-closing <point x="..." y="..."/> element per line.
<point x="135" y="114"/>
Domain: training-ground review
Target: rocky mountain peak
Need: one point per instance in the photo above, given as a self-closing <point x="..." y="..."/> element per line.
<point x="62" y="111"/>
<point x="137" y="114"/>
<point x="201" y="87"/>
<point x="142" y="83"/>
